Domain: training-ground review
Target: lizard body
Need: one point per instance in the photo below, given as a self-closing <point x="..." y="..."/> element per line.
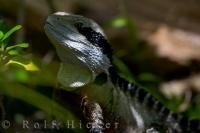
<point x="87" y="59"/>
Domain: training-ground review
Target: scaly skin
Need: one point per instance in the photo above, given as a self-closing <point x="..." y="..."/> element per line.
<point x="86" y="59"/>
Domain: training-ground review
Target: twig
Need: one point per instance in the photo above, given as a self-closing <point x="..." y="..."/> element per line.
<point x="93" y="114"/>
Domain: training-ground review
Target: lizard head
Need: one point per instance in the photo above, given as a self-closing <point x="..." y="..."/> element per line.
<point x="81" y="46"/>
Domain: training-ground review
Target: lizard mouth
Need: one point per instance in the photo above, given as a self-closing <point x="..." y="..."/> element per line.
<point x="59" y="33"/>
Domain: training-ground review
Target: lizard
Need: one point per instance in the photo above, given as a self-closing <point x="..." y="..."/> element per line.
<point x="86" y="66"/>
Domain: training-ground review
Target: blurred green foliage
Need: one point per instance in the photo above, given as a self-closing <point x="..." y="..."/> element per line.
<point x="19" y="75"/>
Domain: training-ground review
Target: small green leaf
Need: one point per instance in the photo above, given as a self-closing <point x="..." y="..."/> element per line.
<point x="11" y="31"/>
<point x="119" y="22"/>
<point x="29" y="66"/>
<point x="148" y="77"/>
<point x="22" y="45"/>
<point x="123" y="68"/>
<point x="13" y="52"/>
<point x="1" y="35"/>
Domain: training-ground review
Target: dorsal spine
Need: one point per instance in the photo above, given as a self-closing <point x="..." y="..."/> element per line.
<point x="177" y="122"/>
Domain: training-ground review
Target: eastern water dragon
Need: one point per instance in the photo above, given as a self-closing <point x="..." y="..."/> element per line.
<point x="86" y="58"/>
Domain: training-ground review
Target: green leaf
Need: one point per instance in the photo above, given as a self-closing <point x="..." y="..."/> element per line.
<point x="36" y="99"/>
<point x="22" y="45"/>
<point x="27" y="65"/>
<point x="11" y="31"/>
<point x="13" y="52"/>
<point x="1" y="35"/>
<point x="123" y="69"/>
<point x="119" y="22"/>
<point x="148" y="77"/>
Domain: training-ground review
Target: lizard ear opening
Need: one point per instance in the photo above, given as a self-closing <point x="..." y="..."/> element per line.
<point x="72" y="76"/>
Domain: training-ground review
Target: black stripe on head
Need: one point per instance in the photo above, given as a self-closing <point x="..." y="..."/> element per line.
<point x="95" y="38"/>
